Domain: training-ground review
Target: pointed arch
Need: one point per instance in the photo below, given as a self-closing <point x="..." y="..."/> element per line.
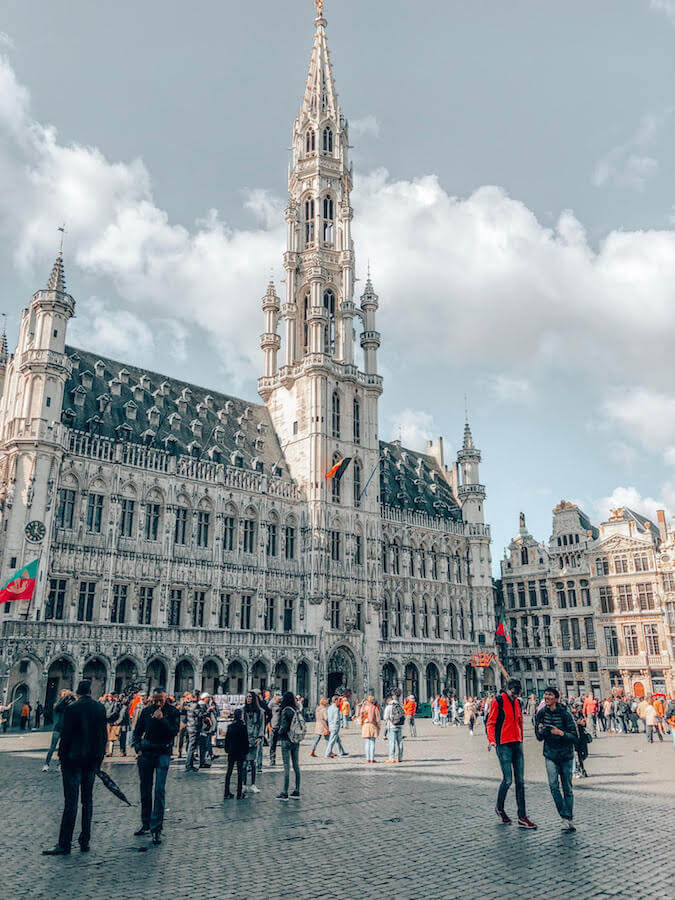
<point x="329" y="334"/>
<point x="356" y="466"/>
<point x="335" y="415"/>
<point x="328" y="220"/>
<point x="327" y="140"/>
<point x="309" y="214"/>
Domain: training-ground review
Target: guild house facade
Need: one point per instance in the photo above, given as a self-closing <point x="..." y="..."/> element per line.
<point x="191" y="538"/>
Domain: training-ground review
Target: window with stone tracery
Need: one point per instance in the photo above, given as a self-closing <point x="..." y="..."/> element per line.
<point x="327" y="140"/>
<point x="328" y="235"/>
<point x="309" y="221"/>
<point x="335" y="417"/>
<point x="310" y="141"/>
<point x="329" y="334"/>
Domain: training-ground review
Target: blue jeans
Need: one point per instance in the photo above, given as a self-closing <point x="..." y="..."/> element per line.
<point x="370" y="747"/>
<point x="289" y="756"/>
<point x="510" y="758"/>
<point x="151" y="766"/>
<point x="56" y="736"/>
<point x="395" y="742"/>
<point x="317" y="741"/>
<point x="559" y="772"/>
<point x="334" y="740"/>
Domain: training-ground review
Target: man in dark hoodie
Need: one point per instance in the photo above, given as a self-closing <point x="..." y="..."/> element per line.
<point x="152" y="740"/>
<point x="236" y="747"/>
<point x="555" y="726"/>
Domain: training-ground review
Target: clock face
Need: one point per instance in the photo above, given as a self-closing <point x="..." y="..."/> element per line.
<point x="35" y="531"/>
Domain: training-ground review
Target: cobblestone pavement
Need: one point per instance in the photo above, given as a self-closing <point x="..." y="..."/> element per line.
<point x="423" y="829"/>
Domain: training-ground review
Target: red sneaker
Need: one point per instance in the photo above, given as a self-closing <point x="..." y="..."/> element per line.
<point x="524" y="822"/>
<point x="502" y="815"/>
<point x="312" y="753"/>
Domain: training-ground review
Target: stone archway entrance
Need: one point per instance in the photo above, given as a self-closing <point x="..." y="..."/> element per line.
<point x="412" y="681"/>
<point x="61" y="675"/>
<point x="20" y="695"/>
<point x="126" y="675"/>
<point x="96" y="671"/>
<point x="389" y="680"/>
<point x="341" y="671"/>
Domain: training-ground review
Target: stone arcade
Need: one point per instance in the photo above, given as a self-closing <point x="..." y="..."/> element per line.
<point x="190" y="538"/>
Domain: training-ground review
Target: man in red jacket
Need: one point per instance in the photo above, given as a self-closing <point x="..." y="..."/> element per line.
<point x="590" y="711"/>
<point x="505" y="734"/>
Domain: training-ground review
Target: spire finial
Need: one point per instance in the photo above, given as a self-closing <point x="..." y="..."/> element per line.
<point x="319" y="8"/>
<point x="3" y="340"/>
<point x="466" y="409"/>
<point x="62" y="229"/>
<point x="57" y="279"/>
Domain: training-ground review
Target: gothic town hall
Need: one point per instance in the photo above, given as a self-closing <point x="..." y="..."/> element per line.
<point x="191" y="538"/>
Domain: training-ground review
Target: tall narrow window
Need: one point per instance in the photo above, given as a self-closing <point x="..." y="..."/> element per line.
<point x="335" y="614"/>
<point x="180" y="527"/>
<point x="357" y="483"/>
<point x="328" y="235"/>
<point x="358" y="550"/>
<point x="85" y="601"/>
<point x="151" y="521"/>
<point x="309" y="221"/>
<point x="384" y="625"/>
<point x="357" y="422"/>
<point x="203" y="524"/>
<point x="245" y="617"/>
<point x="249" y="535"/>
<point x="437" y="621"/>
<point x="225" y="611"/>
<point x="335" y="415"/>
<point x="310" y="141"/>
<point x="127" y="517"/>
<point x="652" y="642"/>
<point x="398" y="617"/>
<point x="630" y="640"/>
<point x="229" y="534"/>
<point x="413" y="619"/>
<point x="145" y="597"/>
<point x="269" y="619"/>
<point x="329" y="306"/>
<point x="272" y="539"/>
<point x="66" y="509"/>
<point x="305" y="322"/>
<point x="118" y="608"/>
<point x="288" y="614"/>
<point x="198" y="603"/>
<point x="94" y="513"/>
<point x="290" y="542"/>
<point x="425" y="620"/>
<point x="175" y="603"/>
<point x="327" y="140"/>
<point x="335" y="546"/>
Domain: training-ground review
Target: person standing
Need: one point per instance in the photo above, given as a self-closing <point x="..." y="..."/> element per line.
<point x="443" y="710"/>
<point x="236" y="747"/>
<point x="255" y="723"/>
<point x="274" y="707"/>
<point x="505" y="734"/>
<point x="555" y="727"/>
<point x="153" y="736"/>
<point x="25" y="717"/>
<point x="291" y="731"/>
<point x="410" y="708"/>
<point x="81" y="752"/>
<point x="39" y="710"/>
<point x="590" y="711"/>
<point x="369" y="716"/>
<point x="470" y="714"/>
<point x="321" y="729"/>
<point x="208" y="728"/>
<point x="194" y="722"/>
<point x="123" y="722"/>
<point x="66" y="698"/>
<point x="345" y="711"/>
<point x="435" y="711"/>
<point x="651" y="723"/>
<point x="394" y="716"/>
<point x="334" y="721"/>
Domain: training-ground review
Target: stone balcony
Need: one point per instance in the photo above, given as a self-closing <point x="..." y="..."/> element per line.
<point x="639" y="661"/>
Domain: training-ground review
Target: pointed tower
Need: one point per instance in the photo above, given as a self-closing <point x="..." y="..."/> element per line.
<point x="323" y="407"/>
<point x="471" y="491"/>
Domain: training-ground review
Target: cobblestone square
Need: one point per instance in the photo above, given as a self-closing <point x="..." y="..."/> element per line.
<point x="430" y="819"/>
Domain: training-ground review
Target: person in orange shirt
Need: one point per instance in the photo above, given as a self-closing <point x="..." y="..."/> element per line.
<point x="660" y="713"/>
<point x="410" y="708"/>
<point x="443" y="709"/>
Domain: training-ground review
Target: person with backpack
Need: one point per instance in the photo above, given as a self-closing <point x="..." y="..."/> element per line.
<point x="505" y="734"/>
<point x="555" y="727"/>
<point x="334" y="721"/>
<point x="236" y="747"/>
<point x="254" y="720"/>
<point x="292" y="729"/>
<point x="369" y="716"/>
<point x="394" y="717"/>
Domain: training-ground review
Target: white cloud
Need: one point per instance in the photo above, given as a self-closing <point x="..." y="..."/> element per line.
<point x="647" y="416"/>
<point x="509" y="389"/>
<point x="628" y="165"/>
<point x="631" y="498"/>
<point x="6" y="41"/>
<point x="413" y="427"/>
<point x="667" y="7"/>
<point x="367" y="126"/>
<point x="113" y="331"/>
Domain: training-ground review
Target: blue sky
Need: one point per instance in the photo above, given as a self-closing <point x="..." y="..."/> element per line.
<point x="513" y="193"/>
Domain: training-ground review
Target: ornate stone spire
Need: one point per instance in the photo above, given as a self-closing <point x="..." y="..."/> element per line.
<point x="4" y="352"/>
<point x="57" y="280"/>
<point x="468" y="437"/>
<point x="320" y="99"/>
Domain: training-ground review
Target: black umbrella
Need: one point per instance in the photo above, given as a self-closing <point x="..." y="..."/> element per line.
<point x="112" y="787"/>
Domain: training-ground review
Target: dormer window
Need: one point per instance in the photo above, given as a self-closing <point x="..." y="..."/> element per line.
<point x="124" y="431"/>
<point x="115" y="386"/>
<point x="75" y="360"/>
<point x="87" y="379"/>
<point x="218" y="433"/>
<point x="158" y="397"/>
<point x="229" y="407"/>
<point x="259" y="444"/>
<point x="239" y="438"/>
<point x="67" y="416"/>
<point x="182" y="406"/>
<point x="94" y="424"/>
<point x="208" y="401"/>
<point x="138" y="393"/>
<point x="99" y="368"/>
<point x="144" y="382"/>
<point x="164" y="388"/>
<point x="153" y="416"/>
<point x="202" y="410"/>
<point x="194" y="448"/>
<point x="247" y="413"/>
<point x="327" y="140"/>
<point x="78" y="394"/>
<point x="130" y="409"/>
<point x="310" y="141"/>
<point x="124" y="376"/>
<point x="222" y="415"/>
<point x="103" y="402"/>
<point x="170" y="444"/>
<point x="148" y="436"/>
<point x="196" y="427"/>
<point x="175" y="421"/>
<point x="215" y="455"/>
<point x="237" y="460"/>
<point x="186" y="395"/>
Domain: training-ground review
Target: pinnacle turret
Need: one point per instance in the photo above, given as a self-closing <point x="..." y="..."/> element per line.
<point x="57" y="279"/>
<point x="468" y="437"/>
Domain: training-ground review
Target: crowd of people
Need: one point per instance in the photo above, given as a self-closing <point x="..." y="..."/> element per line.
<point x="158" y="727"/>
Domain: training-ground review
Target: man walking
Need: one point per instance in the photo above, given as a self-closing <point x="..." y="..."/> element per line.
<point x="505" y="734"/>
<point x="195" y="719"/>
<point x="394" y="716"/>
<point x="590" y="711"/>
<point x="651" y="723"/>
<point x="81" y="751"/>
<point x="555" y="726"/>
<point x="152" y="740"/>
<point x="66" y="698"/>
<point x="334" y="721"/>
<point x="410" y="708"/>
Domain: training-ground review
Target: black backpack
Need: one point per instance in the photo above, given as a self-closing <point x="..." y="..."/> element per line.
<point x="397" y="714"/>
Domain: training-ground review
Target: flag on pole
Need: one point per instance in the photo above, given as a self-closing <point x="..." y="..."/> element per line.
<point x="21" y="584"/>
<point x="338" y="470"/>
<point x="370" y="477"/>
<point x="501" y="630"/>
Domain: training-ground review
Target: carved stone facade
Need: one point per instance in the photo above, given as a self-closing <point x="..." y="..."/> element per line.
<point x="191" y="538"/>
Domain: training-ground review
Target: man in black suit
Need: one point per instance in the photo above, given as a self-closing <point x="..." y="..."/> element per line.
<point x="81" y="751"/>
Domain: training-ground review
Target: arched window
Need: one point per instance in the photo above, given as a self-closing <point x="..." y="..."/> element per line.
<point x="461" y="623"/>
<point x="425" y="620"/>
<point x="305" y="322"/>
<point x="395" y="559"/>
<point x="329" y="306"/>
<point x="335" y="415"/>
<point x="434" y="565"/>
<point x="335" y="483"/>
<point x="385" y="619"/>
<point x="327" y="140"/>
<point x="423" y="563"/>
<point x="413" y="620"/>
<point x="328" y="235"/>
<point x="309" y="220"/>
<point x="437" y="621"/>
<point x="523" y="556"/>
<point x="310" y="141"/>
<point x="451" y="619"/>
<point x="357" y="422"/>
<point x="398" y="617"/>
<point x="357" y="483"/>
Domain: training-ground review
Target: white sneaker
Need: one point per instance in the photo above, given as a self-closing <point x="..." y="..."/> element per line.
<point x="255" y="789"/>
<point x="45" y="768"/>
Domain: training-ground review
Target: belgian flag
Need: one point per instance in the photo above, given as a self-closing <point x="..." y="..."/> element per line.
<point x="338" y="470"/>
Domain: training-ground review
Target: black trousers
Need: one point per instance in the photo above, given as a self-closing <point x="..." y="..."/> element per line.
<point x="274" y="740"/>
<point x="231" y="762"/>
<point x="76" y="782"/>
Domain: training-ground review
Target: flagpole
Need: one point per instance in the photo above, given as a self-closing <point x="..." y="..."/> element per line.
<point x="370" y="478"/>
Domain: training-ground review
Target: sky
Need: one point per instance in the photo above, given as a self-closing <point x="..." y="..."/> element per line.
<point x="514" y="194"/>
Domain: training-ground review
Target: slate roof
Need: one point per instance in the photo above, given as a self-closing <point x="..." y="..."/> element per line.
<point x="414" y="481"/>
<point x="122" y="402"/>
